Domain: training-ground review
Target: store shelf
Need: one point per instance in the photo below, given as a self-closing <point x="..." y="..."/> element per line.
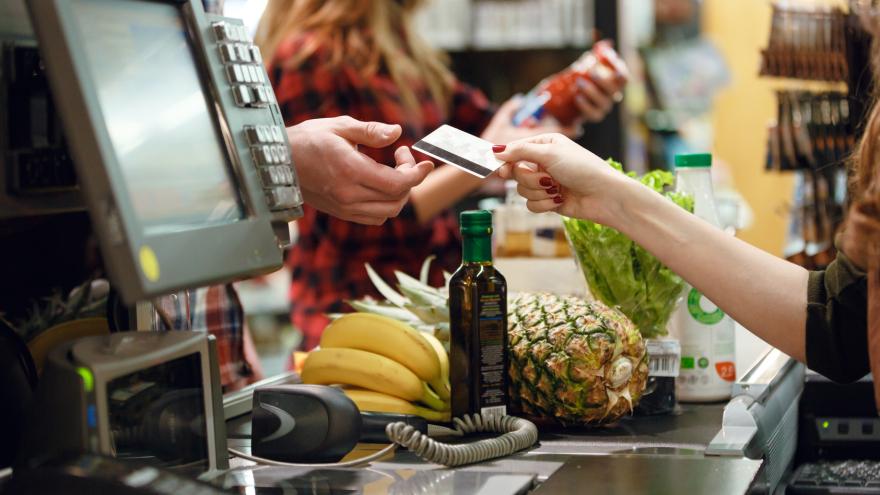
<point x="463" y="25"/>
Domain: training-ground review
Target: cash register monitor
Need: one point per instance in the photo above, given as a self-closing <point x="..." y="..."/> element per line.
<point x="161" y="149"/>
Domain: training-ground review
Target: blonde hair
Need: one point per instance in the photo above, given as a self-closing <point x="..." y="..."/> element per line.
<point x="369" y="35"/>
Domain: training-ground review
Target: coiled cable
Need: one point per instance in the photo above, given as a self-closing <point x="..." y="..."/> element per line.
<point x="518" y="434"/>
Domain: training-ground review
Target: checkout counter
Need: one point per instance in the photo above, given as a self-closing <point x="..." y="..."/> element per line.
<point x="745" y="446"/>
<point x="205" y="136"/>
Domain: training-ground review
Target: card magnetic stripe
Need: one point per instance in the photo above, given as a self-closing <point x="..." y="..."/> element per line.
<point x="446" y="156"/>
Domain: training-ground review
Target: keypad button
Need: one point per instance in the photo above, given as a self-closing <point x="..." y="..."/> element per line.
<point x="283" y="155"/>
<point x="219" y="29"/>
<point x="259" y="96"/>
<point x="287" y="197"/>
<point x="261" y="134"/>
<point x="232" y="32"/>
<point x="288" y="174"/>
<point x="228" y="53"/>
<point x="262" y="155"/>
<point x="259" y="75"/>
<point x="242" y="95"/>
<point x="256" y="56"/>
<point x="243" y="34"/>
<point x="253" y="134"/>
<point x="234" y="74"/>
<point x="278" y="134"/>
<point x="243" y="53"/>
<point x="266" y="177"/>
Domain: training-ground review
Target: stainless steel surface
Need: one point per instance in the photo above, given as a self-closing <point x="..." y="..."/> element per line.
<point x="684" y="434"/>
<point x="766" y="373"/>
<point x="375" y="480"/>
<point x="761" y="421"/>
<point x="654" y="474"/>
<point x="239" y="403"/>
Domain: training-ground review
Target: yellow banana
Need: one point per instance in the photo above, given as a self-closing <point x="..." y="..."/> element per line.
<point x="368" y="400"/>
<point x="367" y="370"/>
<point x="390" y="338"/>
<point x="444" y="388"/>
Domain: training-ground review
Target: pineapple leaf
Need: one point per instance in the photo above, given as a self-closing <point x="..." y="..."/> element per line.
<point x="424" y="275"/>
<point x="384" y="288"/>
<point x="389" y="311"/>
<point x="428" y="314"/>
<point x="405" y="280"/>
<point x="423" y="298"/>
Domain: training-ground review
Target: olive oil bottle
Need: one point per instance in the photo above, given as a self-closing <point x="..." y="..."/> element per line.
<point x="478" y="316"/>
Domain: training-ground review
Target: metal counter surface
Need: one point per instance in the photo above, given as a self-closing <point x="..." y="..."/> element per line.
<point x="677" y="439"/>
<point x="687" y="432"/>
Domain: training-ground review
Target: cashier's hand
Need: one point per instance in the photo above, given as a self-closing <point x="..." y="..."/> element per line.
<point x="556" y="174"/>
<point x="339" y="180"/>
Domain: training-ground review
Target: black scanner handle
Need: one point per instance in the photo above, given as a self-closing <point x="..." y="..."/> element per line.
<point x="373" y="425"/>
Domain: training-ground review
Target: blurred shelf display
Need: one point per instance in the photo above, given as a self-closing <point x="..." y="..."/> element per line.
<point x="507" y="24"/>
<point x="521" y="233"/>
<point x="816" y="127"/>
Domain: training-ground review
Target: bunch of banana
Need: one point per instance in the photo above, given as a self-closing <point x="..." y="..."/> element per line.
<point x="396" y="363"/>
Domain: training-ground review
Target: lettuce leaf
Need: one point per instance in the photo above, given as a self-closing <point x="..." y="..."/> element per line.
<point x="621" y="273"/>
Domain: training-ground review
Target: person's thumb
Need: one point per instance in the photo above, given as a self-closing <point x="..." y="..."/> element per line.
<point x="371" y="134"/>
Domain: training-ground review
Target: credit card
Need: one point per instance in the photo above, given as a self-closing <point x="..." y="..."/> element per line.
<point x="460" y="149"/>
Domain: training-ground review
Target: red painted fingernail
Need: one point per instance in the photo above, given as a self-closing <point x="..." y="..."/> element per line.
<point x="553" y="191"/>
<point x="498" y="148"/>
<point x="558" y="199"/>
<point x="546" y="181"/>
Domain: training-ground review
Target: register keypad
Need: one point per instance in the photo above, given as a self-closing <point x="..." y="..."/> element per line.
<point x="250" y="89"/>
<point x="243" y="65"/>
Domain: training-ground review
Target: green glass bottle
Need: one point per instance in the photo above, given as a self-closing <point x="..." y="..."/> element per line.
<point x="478" y="316"/>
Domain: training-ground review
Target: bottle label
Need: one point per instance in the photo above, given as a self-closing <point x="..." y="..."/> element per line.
<point x="664" y="356"/>
<point x="492" y="319"/>
<point x="703" y="310"/>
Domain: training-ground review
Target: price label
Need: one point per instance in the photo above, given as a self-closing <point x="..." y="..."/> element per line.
<point x="664" y="357"/>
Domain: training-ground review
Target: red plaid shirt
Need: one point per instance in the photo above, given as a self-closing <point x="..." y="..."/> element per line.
<point x="215" y="309"/>
<point x="327" y="262"/>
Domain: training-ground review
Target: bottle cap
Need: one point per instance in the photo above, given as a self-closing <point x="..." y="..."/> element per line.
<point x="476" y="222"/>
<point x="693" y="160"/>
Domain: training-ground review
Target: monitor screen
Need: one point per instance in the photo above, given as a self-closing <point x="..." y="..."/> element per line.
<point x="172" y="157"/>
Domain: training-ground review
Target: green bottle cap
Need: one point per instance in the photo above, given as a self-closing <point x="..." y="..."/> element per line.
<point x="476" y="223"/>
<point x="693" y="160"/>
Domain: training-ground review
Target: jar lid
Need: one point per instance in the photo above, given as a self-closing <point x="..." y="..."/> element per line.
<point x="693" y="160"/>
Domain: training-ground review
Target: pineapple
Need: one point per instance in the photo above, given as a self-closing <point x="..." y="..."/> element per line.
<point x="573" y="360"/>
<point x="576" y="361"/>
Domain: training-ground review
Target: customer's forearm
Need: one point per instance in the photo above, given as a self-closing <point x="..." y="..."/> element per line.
<point x="443" y="188"/>
<point x="764" y="293"/>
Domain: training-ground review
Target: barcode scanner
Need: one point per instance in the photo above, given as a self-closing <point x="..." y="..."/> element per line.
<point x="315" y="424"/>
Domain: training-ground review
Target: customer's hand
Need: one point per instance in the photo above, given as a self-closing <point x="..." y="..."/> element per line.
<point x="502" y="131"/>
<point x="556" y="174"/>
<point x="339" y="180"/>
<point x="597" y="94"/>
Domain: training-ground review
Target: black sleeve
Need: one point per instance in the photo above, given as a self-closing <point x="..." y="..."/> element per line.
<point x="837" y="321"/>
